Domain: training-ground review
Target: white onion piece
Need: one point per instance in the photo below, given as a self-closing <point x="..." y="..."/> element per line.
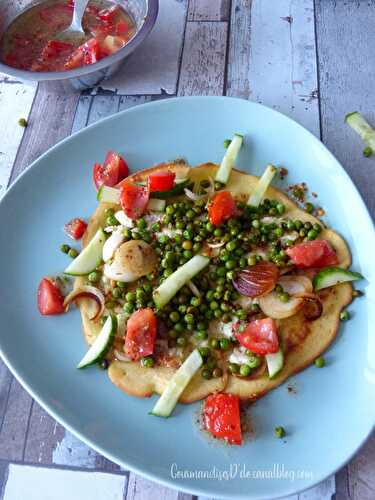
<point x="216" y="245"/>
<point x="121" y="356"/>
<point x="87" y="292"/>
<point x="193" y="196"/>
<point x="273" y="307"/>
<point x="111" y="245"/>
<point x="194" y="289"/>
<point x="123" y="219"/>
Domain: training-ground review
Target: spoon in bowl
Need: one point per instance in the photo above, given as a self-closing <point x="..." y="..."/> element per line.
<point x="75" y="30"/>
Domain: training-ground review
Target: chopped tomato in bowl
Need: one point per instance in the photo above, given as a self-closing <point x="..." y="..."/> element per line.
<point x="316" y="253"/>
<point x="260" y="336"/>
<point x="50" y="299"/>
<point x="141" y="331"/>
<point x="221" y="417"/>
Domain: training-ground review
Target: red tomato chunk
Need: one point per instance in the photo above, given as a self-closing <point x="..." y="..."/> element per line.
<point x="260" y="336"/>
<point x="50" y="299"/>
<point x="316" y="253"/>
<point x="222" y="208"/>
<point x="161" y="181"/>
<point x="75" y="228"/>
<point x="134" y="199"/>
<point x="221" y="415"/>
<point x="140" y="337"/>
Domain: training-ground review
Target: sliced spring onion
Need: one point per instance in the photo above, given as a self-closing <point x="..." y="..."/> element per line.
<point x="262" y="186"/>
<point x="175" y="387"/>
<point x="168" y="289"/>
<point x="331" y="276"/>
<point x="223" y="174"/>
<point x="108" y="194"/>
<point x="156" y="205"/>
<point x="358" y="123"/>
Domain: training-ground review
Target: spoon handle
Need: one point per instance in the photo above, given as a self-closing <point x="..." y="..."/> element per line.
<point x="79" y="9"/>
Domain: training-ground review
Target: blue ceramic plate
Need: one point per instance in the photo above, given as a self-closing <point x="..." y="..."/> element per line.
<point x="332" y="410"/>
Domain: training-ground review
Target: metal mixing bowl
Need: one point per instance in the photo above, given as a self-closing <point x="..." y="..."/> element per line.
<point x="144" y="13"/>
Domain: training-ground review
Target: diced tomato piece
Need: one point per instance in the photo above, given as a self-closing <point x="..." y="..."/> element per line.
<point x="221" y="416"/>
<point x="161" y="181"/>
<point x="109" y="14"/>
<point x="114" y="160"/>
<point x="316" y="253"/>
<point x="140" y="337"/>
<point x="260" y="336"/>
<point x="87" y="53"/>
<point x="106" y="175"/>
<point x="54" y="48"/>
<point x="134" y="199"/>
<point x="122" y="27"/>
<point x="50" y="299"/>
<point x="75" y="228"/>
<point x="222" y="208"/>
<point x="112" y="44"/>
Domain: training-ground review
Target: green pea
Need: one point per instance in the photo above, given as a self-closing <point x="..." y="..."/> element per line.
<point x="230" y="264"/>
<point x="279" y="432"/>
<point x="230" y="275"/>
<point x="174" y="316"/>
<point x="179" y="327"/>
<point x="317" y="227"/>
<point x="320" y="362"/>
<point x="253" y="361"/>
<point x="251" y="260"/>
<point x="187" y="234"/>
<point x="190" y="214"/>
<point x="128" y="307"/>
<point x="196" y="247"/>
<point x="280" y="207"/>
<point x="195" y="301"/>
<point x="245" y="370"/>
<point x="168" y="272"/>
<point x="181" y="341"/>
<point x="231" y="245"/>
<point x="217" y="313"/>
<point x="140" y="294"/>
<point x="210" y="227"/>
<point x="112" y="221"/>
<point x="206" y="373"/>
<point x="189" y="318"/>
<point x="214" y="305"/>
<point x="210" y="295"/>
<point x="256" y="223"/>
<point x="312" y="234"/>
<point x="201" y="335"/>
<point x="241" y="314"/>
<point x="188" y="254"/>
<point x="210" y="363"/>
<point x="93" y="277"/>
<point x="309" y="207"/>
<point x="214" y="343"/>
<point x="220" y="271"/>
<point x="279" y="232"/>
<point x="290" y="225"/>
<point x="130" y="297"/>
<point x="234" y="367"/>
<point x="173" y="334"/>
<point x="204" y="352"/>
<point x="224" y="344"/>
<point x="284" y="296"/>
<point x="367" y="152"/>
<point x="117" y="292"/>
<point x="147" y="362"/>
<point x="169" y="209"/>
<point x="298" y="224"/>
<point x="163" y="239"/>
<point x="218" y="232"/>
<point x="73" y="253"/>
<point x="65" y="248"/>
<point x="345" y="315"/>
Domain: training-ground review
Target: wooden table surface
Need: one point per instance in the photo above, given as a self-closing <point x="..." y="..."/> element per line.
<point x="312" y="60"/>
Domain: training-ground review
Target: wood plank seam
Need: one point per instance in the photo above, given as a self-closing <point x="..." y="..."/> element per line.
<point x="6" y="402"/>
<point x="317" y="70"/>
<point x="227" y="48"/>
<point x="182" y="49"/>
<point x="27" y="429"/>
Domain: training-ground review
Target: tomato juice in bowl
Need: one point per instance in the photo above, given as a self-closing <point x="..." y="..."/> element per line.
<point x="31" y="47"/>
<point x="32" y="41"/>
